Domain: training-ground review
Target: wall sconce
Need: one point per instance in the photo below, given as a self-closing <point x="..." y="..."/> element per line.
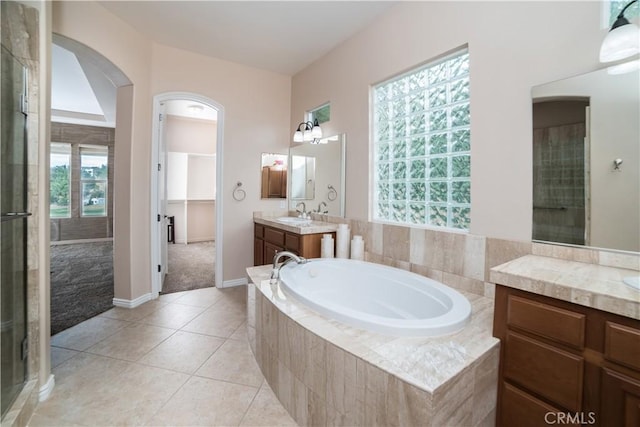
<point x="623" y="39"/>
<point x="310" y="132"/>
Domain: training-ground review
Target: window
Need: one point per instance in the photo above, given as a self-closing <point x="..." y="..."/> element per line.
<point x="59" y="179"/>
<point x="93" y="180"/>
<point x="422" y="145"/>
<point x="615" y="6"/>
<point x="322" y="113"/>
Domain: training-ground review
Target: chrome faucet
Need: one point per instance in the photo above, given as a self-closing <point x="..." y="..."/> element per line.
<point x="275" y="272"/>
<point x="320" y="211"/>
<point x="304" y="209"/>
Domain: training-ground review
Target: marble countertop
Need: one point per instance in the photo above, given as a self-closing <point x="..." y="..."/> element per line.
<point x="426" y="362"/>
<point x="313" y="227"/>
<point x="590" y="285"/>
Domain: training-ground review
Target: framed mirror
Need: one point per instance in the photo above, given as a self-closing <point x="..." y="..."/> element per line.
<point x="586" y="161"/>
<point x="317" y="175"/>
<point x="274" y="176"/>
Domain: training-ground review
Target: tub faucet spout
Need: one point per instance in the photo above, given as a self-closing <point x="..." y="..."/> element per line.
<point x="275" y="272"/>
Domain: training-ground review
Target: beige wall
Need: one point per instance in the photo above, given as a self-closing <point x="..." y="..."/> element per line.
<point x="257" y="109"/>
<point x="188" y="135"/>
<point x="513" y="46"/>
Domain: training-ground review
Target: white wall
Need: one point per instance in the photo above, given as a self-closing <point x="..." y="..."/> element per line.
<point x="513" y="46"/>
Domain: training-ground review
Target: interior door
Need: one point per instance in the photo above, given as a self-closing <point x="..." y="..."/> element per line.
<point x="162" y="200"/>
<point x="13" y="229"/>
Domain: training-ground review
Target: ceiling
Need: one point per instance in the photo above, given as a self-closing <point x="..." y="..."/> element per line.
<point x="280" y="36"/>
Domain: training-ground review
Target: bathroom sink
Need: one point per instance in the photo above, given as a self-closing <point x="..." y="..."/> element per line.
<point x="293" y="220"/>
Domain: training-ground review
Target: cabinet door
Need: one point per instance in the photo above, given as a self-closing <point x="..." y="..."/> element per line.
<point x="270" y="251"/>
<point x="620" y="404"/>
<point x="258" y="252"/>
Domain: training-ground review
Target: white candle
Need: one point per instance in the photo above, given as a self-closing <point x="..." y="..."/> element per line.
<point x="357" y="248"/>
<point x="342" y="241"/>
<point x="326" y="246"/>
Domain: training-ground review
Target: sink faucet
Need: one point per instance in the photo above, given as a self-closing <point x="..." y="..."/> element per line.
<point x="304" y="209"/>
<point x="320" y="211"/>
<point x="275" y="272"/>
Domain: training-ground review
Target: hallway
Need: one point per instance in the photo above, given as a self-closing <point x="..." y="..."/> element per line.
<point x="182" y="359"/>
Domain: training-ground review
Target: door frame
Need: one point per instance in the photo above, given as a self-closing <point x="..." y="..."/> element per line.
<point x="156" y="284"/>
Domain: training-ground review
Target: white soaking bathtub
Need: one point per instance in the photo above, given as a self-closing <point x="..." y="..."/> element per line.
<point x="377" y="298"/>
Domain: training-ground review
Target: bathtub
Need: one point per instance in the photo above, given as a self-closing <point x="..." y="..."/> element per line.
<point x="375" y="297"/>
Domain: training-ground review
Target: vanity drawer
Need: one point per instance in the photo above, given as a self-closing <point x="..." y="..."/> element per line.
<point x="622" y="344"/>
<point x="548" y="371"/>
<point x="521" y="409"/>
<point x="274" y="236"/>
<point x="563" y="326"/>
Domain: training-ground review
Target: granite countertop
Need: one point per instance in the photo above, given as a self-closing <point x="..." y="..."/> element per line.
<point x="312" y="227"/>
<point x="426" y="362"/>
<point x="590" y="285"/>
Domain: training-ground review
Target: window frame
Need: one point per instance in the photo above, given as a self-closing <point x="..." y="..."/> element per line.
<point x="376" y="158"/>
<point x="62" y="148"/>
<point x="81" y="180"/>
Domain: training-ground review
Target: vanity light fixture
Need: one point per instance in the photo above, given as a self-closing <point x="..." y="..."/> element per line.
<point x="623" y="39"/>
<point x="309" y="132"/>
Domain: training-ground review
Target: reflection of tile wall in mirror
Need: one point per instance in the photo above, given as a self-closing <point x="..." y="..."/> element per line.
<point x="611" y="196"/>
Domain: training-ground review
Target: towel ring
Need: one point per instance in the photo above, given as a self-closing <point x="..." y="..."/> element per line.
<point x="238" y="193"/>
<point x="333" y="194"/>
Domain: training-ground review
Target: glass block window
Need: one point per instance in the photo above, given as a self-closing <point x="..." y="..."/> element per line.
<point x="422" y="145"/>
<point x="322" y="113"/>
<point x="59" y="181"/>
<point x="615" y="6"/>
<point x="93" y="180"/>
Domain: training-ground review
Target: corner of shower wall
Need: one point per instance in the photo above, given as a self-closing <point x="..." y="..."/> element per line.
<point x="20" y="36"/>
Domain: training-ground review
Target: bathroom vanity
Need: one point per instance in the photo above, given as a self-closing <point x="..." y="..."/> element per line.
<point x="570" y="335"/>
<point x="272" y="234"/>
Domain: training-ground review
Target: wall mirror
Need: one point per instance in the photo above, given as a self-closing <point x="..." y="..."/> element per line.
<point x="317" y="175"/>
<point x="303" y="177"/>
<point x="586" y="155"/>
<point x="274" y="176"/>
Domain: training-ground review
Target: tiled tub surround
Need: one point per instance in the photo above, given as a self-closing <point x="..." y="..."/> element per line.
<point x="581" y="283"/>
<point x="327" y="373"/>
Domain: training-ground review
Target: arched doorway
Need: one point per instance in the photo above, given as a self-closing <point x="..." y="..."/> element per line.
<point x="158" y="203"/>
<point x="97" y="154"/>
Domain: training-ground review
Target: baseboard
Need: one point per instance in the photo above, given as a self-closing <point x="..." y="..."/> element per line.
<point x="125" y="303"/>
<point x="46" y="389"/>
<point x="234" y="282"/>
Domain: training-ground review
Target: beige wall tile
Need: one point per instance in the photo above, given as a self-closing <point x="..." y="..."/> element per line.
<point x="395" y="241"/>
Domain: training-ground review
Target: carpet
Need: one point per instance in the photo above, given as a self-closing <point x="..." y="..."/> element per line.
<point x="81" y="282"/>
<point x="190" y="267"/>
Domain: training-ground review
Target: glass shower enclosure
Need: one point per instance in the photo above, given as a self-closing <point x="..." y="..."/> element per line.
<point x="13" y="229"/>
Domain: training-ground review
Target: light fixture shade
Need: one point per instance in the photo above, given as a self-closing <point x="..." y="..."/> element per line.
<point x="316" y="132"/>
<point x="298" y="137"/>
<point x="307" y="136"/>
<point x="621" y="42"/>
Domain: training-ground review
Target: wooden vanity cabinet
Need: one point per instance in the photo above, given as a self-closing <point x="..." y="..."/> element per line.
<point x="270" y="240"/>
<point x="559" y="359"/>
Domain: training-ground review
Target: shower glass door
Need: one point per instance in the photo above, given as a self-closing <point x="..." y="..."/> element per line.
<point x="13" y="230"/>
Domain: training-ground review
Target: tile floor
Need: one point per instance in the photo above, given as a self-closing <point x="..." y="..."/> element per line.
<point x="180" y="360"/>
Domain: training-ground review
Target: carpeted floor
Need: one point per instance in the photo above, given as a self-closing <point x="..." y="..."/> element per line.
<point x="82" y="278"/>
<point x="190" y="267"/>
<point x="81" y="282"/>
